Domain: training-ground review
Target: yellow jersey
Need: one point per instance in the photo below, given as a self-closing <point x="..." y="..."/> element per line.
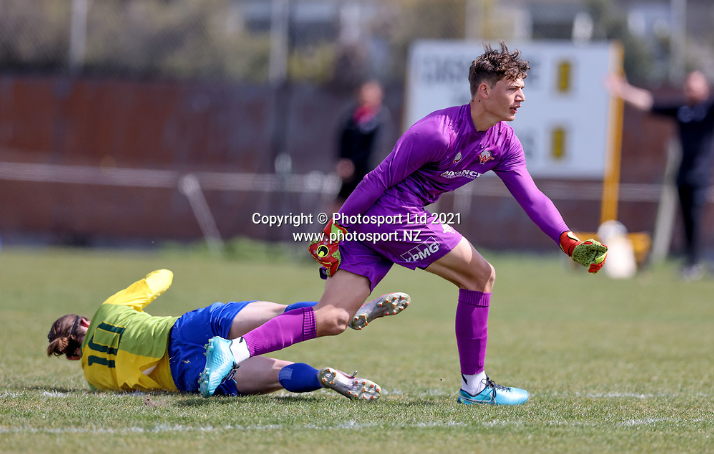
<point x="125" y="348"/>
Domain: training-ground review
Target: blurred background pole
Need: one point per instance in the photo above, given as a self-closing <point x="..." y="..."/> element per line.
<point x="478" y="16"/>
<point x="188" y="185"/>
<point x="611" y="180"/>
<point x="350" y="23"/>
<point x="278" y="64"/>
<point x="667" y="208"/>
<point x="78" y="34"/>
<point x="278" y="78"/>
<point x="473" y="28"/>
<point x="679" y="35"/>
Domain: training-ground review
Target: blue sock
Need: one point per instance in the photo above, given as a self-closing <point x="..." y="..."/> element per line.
<point x="299" y="378"/>
<point x="299" y="305"/>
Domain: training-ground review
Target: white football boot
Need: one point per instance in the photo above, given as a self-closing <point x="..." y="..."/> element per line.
<point x="348" y="385"/>
<point x="389" y="304"/>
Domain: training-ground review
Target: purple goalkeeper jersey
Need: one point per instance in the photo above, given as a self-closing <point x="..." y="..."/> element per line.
<point x="442" y="152"/>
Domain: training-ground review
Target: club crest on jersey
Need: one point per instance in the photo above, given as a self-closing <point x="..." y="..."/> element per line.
<point x="457" y="158"/>
<point x="485" y="156"/>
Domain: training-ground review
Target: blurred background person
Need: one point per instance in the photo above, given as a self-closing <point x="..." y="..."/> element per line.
<point x="695" y="120"/>
<point x="360" y="145"/>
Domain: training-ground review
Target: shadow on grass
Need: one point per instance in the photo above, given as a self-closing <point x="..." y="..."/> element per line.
<point x="89" y="392"/>
<point x="299" y="399"/>
<point x="191" y="400"/>
<point x="195" y="400"/>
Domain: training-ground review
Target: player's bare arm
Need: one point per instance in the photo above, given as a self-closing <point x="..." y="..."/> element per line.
<point x="639" y="98"/>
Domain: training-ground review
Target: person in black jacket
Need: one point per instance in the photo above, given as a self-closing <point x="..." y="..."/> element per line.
<point x="359" y="139"/>
<point x="695" y="119"/>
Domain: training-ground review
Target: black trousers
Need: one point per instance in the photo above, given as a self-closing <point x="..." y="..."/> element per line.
<point x="692" y="199"/>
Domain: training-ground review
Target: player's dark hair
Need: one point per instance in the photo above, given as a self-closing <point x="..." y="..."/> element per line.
<point x="63" y="335"/>
<point x="494" y="65"/>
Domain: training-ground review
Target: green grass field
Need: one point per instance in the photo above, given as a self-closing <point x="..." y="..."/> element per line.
<point x="612" y="366"/>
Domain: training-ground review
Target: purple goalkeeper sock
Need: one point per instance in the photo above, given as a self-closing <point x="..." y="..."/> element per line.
<point x="286" y="329"/>
<point x="472" y="330"/>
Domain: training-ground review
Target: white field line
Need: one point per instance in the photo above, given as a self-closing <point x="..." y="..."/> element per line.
<point x="617" y="395"/>
<point x="347" y="425"/>
<point x="644" y="422"/>
<point x="436" y="392"/>
<point x="439" y="392"/>
<point x="54" y="394"/>
<point x="172" y="428"/>
<point x="432" y="392"/>
<point x="648" y="421"/>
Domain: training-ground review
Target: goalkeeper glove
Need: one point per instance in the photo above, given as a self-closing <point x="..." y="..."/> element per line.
<point x="327" y="250"/>
<point x="590" y="253"/>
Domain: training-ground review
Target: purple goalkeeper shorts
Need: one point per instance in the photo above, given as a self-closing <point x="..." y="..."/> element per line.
<point x="408" y="236"/>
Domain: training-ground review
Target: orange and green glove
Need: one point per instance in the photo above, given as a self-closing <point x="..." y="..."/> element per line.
<point x="327" y="250"/>
<point x="589" y="253"/>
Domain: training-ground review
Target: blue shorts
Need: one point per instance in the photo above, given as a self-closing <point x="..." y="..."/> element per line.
<point x="188" y="339"/>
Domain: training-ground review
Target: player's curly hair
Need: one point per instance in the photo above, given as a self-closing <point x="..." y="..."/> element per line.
<point x="494" y="65"/>
<point x="62" y="335"/>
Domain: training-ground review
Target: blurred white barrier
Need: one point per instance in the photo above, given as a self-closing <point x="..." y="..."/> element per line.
<point x="313" y="182"/>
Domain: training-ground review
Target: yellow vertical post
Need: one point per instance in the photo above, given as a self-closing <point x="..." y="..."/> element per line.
<point x="611" y="182"/>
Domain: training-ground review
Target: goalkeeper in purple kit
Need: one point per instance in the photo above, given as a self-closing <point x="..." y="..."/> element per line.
<point x="439" y="153"/>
